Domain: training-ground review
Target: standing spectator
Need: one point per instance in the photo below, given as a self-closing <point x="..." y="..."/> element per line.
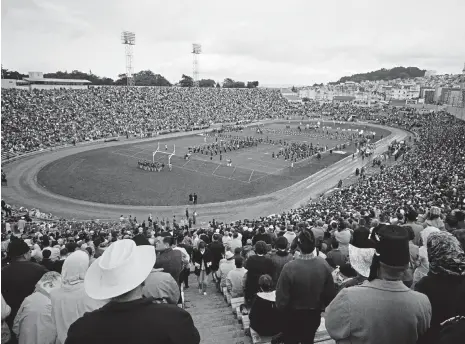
<point x="412" y="216"/>
<point x="33" y="323"/>
<point x="225" y="267"/>
<point x="433" y="219"/>
<point x="335" y="257"/>
<point x="21" y="225"/>
<point x="70" y="302"/>
<point x="304" y="289"/>
<point x="20" y="277"/>
<point x="256" y="266"/>
<point x="168" y="259"/>
<point x="236" y="242"/>
<point x="118" y="276"/>
<point x="445" y="283"/>
<point x="217" y="251"/>
<point x="319" y="231"/>
<point x="234" y="280"/>
<point x="400" y="315"/>
<point x="202" y="259"/>
<point x="343" y="236"/>
<point x="6" y="310"/>
<point x="422" y="264"/>
<point x="280" y="258"/>
<point x="187" y="269"/>
<point x="290" y="235"/>
<point x="262" y="236"/>
<point x="162" y="287"/>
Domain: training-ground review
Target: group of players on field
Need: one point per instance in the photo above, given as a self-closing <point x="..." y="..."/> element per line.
<point x="152" y="166"/>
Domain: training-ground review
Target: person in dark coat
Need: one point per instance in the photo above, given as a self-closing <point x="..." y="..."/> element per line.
<point x="118" y="275"/>
<point x="202" y="258"/>
<point x="256" y="266"/>
<point x="305" y="287"/>
<point x="262" y="236"/>
<point x="280" y="258"/>
<point x="46" y="261"/>
<point x="20" y="277"/>
<point x="264" y="317"/>
<point x="168" y="259"/>
<point x="217" y="251"/>
<point x="445" y="283"/>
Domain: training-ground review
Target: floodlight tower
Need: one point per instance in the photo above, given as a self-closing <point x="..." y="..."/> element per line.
<point x="129" y="40"/>
<point x="196" y="50"/>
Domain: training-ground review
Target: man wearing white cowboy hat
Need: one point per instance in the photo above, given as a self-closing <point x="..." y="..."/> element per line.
<point x="119" y="275"/>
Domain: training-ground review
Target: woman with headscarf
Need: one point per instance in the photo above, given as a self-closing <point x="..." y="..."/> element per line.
<point x="422" y="263"/>
<point x="445" y="283"/>
<point x="70" y="301"/>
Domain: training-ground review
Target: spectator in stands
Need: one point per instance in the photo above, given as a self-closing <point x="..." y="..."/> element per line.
<point x="280" y="258"/>
<point x="234" y="280"/>
<point x="118" y="275"/>
<point x="162" y="287"/>
<point x="256" y="266"/>
<point x="352" y="316"/>
<point x="335" y="257"/>
<point x="236" y="242"/>
<point x="445" y="283"/>
<point x="262" y="236"/>
<point x="412" y="216"/>
<point x="33" y="323"/>
<point x="433" y="219"/>
<point x="318" y="230"/>
<point x="184" y="277"/>
<point x="46" y="261"/>
<point x="343" y="236"/>
<point x="248" y="249"/>
<point x="217" y="251"/>
<point x="202" y="258"/>
<point x="69" y="302"/>
<point x="422" y="264"/>
<point x="225" y="267"/>
<point x="264" y="317"/>
<point x="304" y="288"/>
<point x="20" y="277"/>
<point x="171" y="261"/>
<point x="5" y="312"/>
<point x="290" y="234"/>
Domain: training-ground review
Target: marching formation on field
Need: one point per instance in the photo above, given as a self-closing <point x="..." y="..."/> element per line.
<point x="381" y="259"/>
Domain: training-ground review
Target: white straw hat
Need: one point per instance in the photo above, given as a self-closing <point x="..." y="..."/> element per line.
<point x="121" y="268"/>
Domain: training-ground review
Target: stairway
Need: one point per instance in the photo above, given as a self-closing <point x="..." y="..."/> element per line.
<point x="212" y="316"/>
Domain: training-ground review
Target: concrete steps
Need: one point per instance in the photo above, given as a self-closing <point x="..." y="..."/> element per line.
<point x="212" y="316"/>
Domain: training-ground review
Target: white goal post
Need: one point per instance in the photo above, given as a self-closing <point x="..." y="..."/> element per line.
<point x="170" y="154"/>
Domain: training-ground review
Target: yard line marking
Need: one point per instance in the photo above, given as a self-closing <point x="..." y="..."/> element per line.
<point x="233" y="173"/>
<point x="251" y="175"/>
<point x="216" y="169"/>
<point x="186" y="163"/>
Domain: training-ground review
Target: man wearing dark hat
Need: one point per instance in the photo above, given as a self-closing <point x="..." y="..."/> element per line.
<point x="20" y="277"/>
<point x="382" y="310"/>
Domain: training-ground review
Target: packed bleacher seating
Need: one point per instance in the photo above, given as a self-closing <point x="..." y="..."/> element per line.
<point x="40" y="119"/>
<point x="364" y="261"/>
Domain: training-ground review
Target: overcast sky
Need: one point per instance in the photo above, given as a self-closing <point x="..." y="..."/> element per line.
<point x="275" y="42"/>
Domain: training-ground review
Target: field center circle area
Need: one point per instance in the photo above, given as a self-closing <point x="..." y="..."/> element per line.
<point x="110" y="175"/>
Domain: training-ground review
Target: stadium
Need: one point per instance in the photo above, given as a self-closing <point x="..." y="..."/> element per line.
<point x="203" y="212"/>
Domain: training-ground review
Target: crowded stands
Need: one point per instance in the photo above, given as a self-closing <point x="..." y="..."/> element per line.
<point x="381" y="260"/>
<point x="45" y="118"/>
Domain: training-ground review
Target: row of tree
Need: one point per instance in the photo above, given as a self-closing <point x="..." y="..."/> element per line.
<point x="142" y="78"/>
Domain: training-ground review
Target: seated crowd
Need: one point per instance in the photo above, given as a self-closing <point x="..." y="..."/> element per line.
<point x="382" y="260"/>
<point x="45" y="118"/>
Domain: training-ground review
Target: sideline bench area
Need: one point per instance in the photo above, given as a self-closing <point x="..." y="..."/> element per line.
<point x="321" y="336"/>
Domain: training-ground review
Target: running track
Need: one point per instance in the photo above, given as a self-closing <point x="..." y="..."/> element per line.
<point x="23" y="190"/>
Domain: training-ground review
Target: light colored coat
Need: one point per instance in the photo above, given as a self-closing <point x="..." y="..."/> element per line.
<point x="380" y="311"/>
<point x="234" y="282"/>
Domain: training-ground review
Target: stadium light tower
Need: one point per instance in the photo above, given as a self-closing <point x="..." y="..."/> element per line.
<point x="196" y="50"/>
<point x="129" y="40"/>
